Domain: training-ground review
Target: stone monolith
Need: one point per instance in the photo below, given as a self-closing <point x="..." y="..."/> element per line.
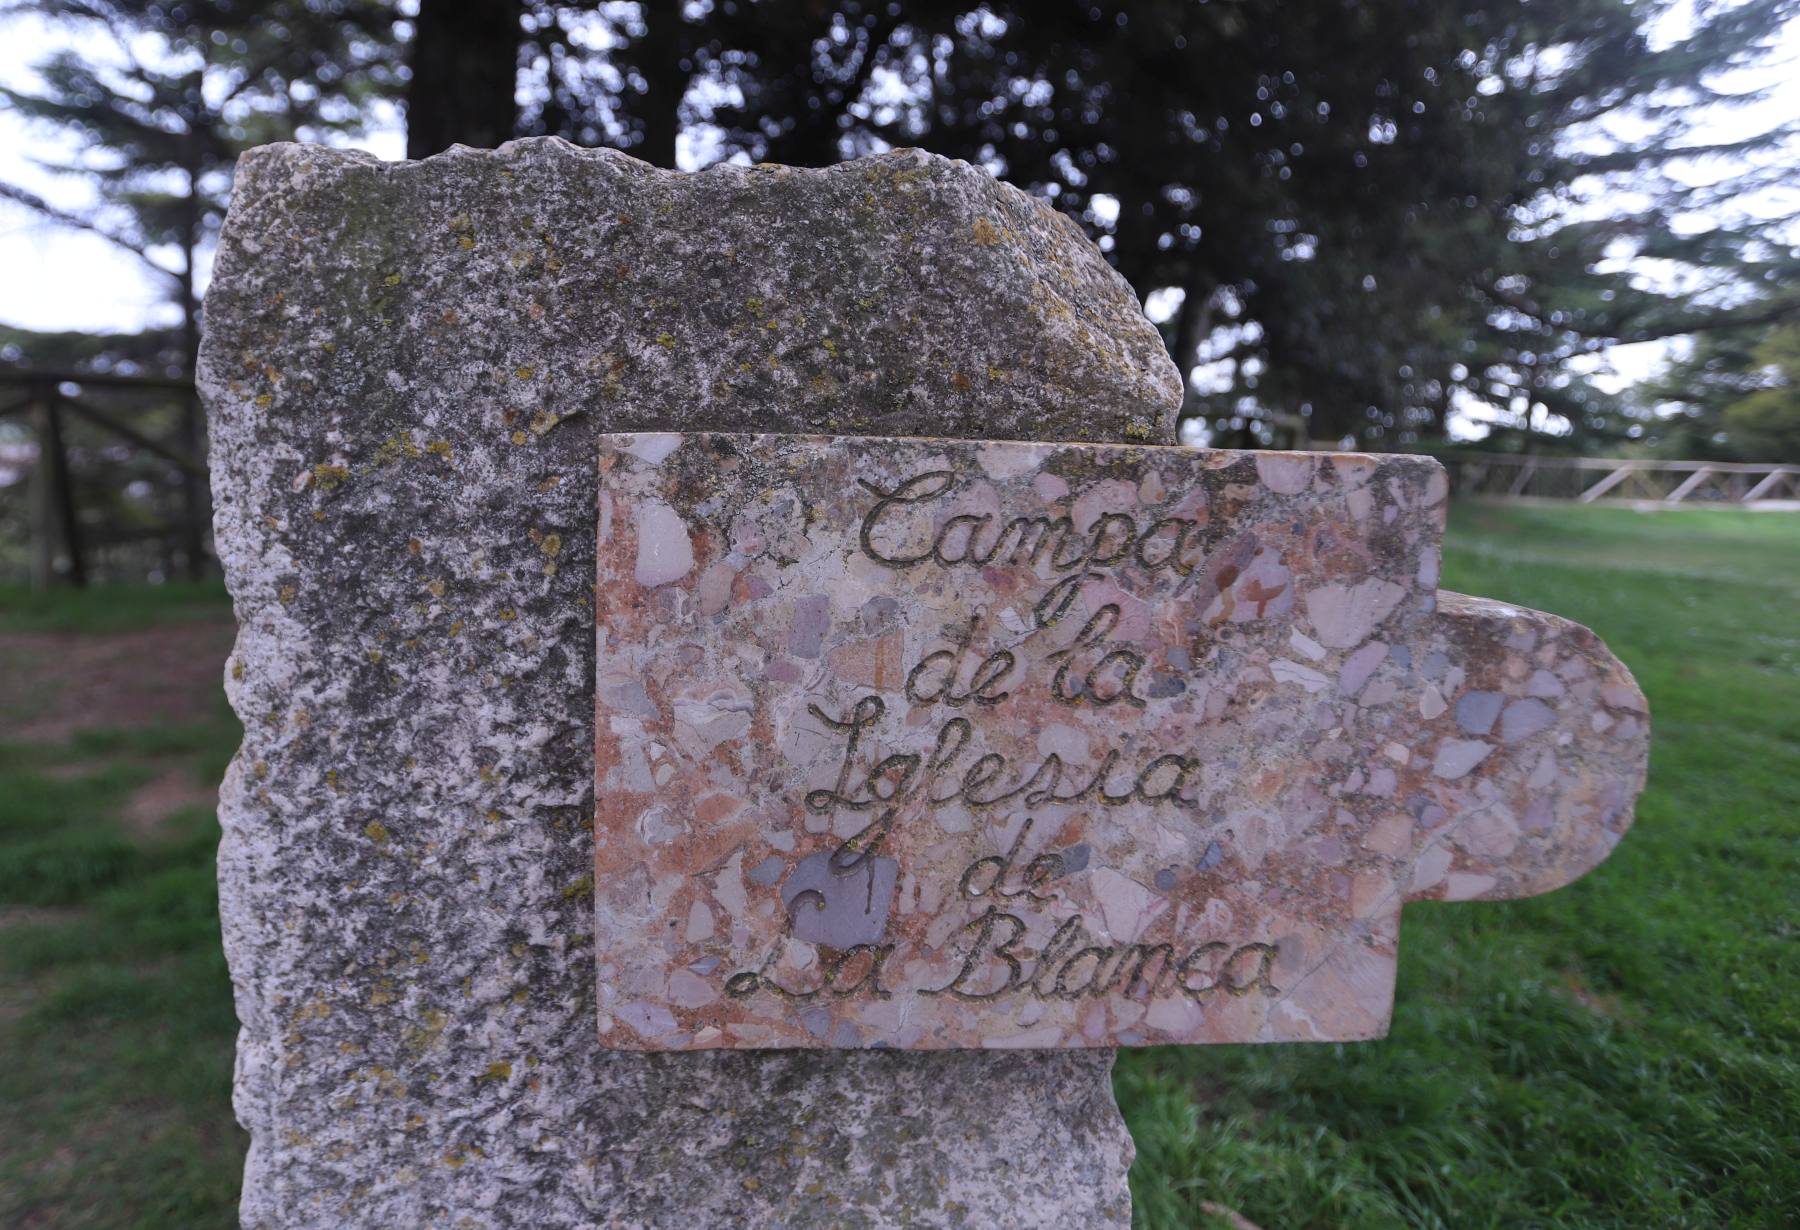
<point x="406" y="368"/>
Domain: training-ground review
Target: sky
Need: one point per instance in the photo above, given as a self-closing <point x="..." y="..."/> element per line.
<point x="54" y="278"/>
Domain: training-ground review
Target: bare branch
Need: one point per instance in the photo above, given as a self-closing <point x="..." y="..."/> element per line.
<point x="63" y="217"/>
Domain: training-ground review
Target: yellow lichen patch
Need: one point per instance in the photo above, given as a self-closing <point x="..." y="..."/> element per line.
<point x="383" y="994"/>
<point x="265" y="401"/>
<point x="986" y="233"/>
<point x="525" y="373"/>
<point x="464" y="230"/>
<point x="543" y="421"/>
<point x="551" y="545"/>
<point x="313" y="1009"/>
<point x="666" y="341"/>
<point x="377" y="832"/>
<point x="395" y="448"/>
<point x="375" y="655"/>
<point x="436" y="587"/>
<point x="287" y="594"/>
<point x="580" y="888"/>
<point x="519" y="437"/>
<point x="327" y="477"/>
<point x="499" y="1070"/>
<point x="439" y="448"/>
<point x="456" y="627"/>
<point x="429" y="1029"/>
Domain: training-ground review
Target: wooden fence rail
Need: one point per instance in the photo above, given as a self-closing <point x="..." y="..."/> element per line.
<point x="1587" y="480"/>
<point x="62" y="539"/>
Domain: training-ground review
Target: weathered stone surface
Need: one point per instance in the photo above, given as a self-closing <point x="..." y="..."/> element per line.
<point x="407" y="367"/>
<point x="935" y="744"/>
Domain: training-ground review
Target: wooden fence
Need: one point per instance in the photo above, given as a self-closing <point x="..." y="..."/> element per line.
<point x="1588" y="480"/>
<point x="170" y="533"/>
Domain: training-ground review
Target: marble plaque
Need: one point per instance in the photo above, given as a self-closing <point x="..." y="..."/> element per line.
<point x="931" y="744"/>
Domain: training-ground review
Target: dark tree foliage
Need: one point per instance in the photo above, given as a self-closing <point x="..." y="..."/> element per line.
<point x="1365" y="208"/>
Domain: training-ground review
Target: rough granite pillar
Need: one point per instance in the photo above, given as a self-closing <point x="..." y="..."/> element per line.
<point x="406" y="367"/>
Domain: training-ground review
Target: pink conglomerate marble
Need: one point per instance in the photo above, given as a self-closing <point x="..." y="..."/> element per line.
<point x="929" y="743"/>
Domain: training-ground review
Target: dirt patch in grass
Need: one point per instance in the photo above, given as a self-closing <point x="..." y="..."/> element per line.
<point x="55" y="684"/>
<point x="152" y="804"/>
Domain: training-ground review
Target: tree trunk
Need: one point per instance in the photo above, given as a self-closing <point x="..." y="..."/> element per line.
<point x="194" y="510"/>
<point x="53" y="497"/>
<point x="465" y="68"/>
<point x="657" y="56"/>
<point x="1192" y="325"/>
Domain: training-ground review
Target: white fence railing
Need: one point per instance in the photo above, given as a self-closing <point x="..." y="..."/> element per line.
<point x="1590" y="479"/>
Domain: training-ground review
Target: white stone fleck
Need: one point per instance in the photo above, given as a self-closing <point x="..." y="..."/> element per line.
<point x="665" y="553"/>
<point x="1456" y="757"/>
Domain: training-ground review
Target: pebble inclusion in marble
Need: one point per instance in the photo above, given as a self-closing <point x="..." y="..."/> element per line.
<point x="796" y="847"/>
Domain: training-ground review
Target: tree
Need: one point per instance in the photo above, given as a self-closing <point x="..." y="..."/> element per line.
<point x="164" y="97"/>
<point x="1734" y="396"/>
<point x="464" y="73"/>
<point x="1767" y="422"/>
<point x="1361" y="214"/>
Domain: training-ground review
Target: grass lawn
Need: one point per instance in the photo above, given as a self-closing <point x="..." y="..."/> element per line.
<point x="1622" y="1054"/>
<point x="116" y="1024"/>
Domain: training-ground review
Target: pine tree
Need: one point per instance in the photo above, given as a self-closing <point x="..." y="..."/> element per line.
<point x="1368" y="211"/>
<point x="164" y="96"/>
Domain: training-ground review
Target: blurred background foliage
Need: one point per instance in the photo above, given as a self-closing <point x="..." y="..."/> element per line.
<point x="1384" y="223"/>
